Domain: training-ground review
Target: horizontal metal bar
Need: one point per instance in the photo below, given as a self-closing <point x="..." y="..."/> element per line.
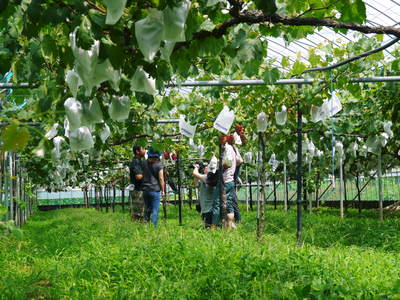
<point x="162" y="121"/>
<point x="19" y="86"/>
<point x="166" y="121"/>
<point x="376" y="79"/>
<point x="2" y="124"/>
<point x="279" y="82"/>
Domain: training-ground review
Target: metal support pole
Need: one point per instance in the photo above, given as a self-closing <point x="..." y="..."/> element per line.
<point x="247" y="192"/>
<point x="274" y="185"/>
<point x="178" y="171"/>
<point x="299" y="172"/>
<point x="285" y="186"/>
<point x="380" y="184"/>
<point x="341" y="188"/>
<point x="310" y="194"/>
<point x="358" y="191"/>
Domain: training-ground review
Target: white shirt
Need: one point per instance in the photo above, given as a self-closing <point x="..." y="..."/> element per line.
<point x="231" y="155"/>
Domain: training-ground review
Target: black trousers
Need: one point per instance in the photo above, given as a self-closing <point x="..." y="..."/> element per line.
<point x="236" y="210"/>
<point x="207" y="217"/>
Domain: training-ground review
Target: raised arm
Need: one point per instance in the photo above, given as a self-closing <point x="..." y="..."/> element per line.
<point x="198" y="176"/>
<point x="162" y="181"/>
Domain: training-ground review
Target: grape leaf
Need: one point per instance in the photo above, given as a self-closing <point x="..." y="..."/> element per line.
<point x="14" y="138"/>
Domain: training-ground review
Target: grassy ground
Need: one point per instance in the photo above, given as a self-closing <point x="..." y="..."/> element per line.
<point x="87" y="254"/>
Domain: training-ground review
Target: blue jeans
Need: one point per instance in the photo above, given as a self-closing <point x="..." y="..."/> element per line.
<point x="151" y="206"/>
<point x="216" y="209"/>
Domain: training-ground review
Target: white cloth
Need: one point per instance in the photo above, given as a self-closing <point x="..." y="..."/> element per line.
<point x="231" y="155"/>
<point x="239" y="158"/>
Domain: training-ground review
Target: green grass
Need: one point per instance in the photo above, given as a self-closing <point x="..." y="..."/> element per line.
<point x="87" y="254"/>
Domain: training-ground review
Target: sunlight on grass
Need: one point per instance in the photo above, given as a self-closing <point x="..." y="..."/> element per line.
<point x="87" y="254"/>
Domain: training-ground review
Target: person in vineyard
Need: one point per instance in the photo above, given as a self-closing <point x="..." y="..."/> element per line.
<point x="136" y="176"/>
<point x="239" y="139"/>
<point x="206" y="192"/>
<point x="153" y="185"/>
<point x="228" y="168"/>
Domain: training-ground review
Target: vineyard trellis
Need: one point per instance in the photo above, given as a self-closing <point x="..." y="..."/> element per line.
<point x="299" y="175"/>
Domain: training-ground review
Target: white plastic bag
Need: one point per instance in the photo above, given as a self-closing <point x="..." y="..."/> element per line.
<point x="67" y="130"/>
<point x="224" y="120"/>
<point x="262" y="122"/>
<point x="339" y="149"/>
<point x="106" y="72"/>
<point x="58" y="141"/>
<point x="334" y="104"/>
<point x="387" y="128"/>
<point x="174" y="22"/>
<point x="149" y="33"/>
<point x="201" y="151"/>
<point x="192" y="145"/>
<point x="248" y="157"/>
<point x="73" y="109"/>
<point x="115" y="9"/>
<point x="316" y="114"/>
<point x="213" y="164"/>
<point x="292" y="156"/>
<point x="73" y="81"/>
<point x="353" y="147"/>
<point x="185" y="128"/>
<point x="85" y="62"/>
<point x="238" y="140"/>
<point x="328" y="109"/>
<point x="167" y="49"/>
<point x="52" y="132"/>
<point x="363" y="151"/>
<point x="105" y="133"/>
<point x="81" y="139"/>
<point x="91" y="113"/>
<point x="273" y="162"/>
<point x="383" y="139"/>
<point x="142" y="82"/>
<point x="373" y="143"/>
<point x="281" y="117"/>
<point x="119" y="108"/>
<point x="311" y="149"/>
<point x="304" y="146"/>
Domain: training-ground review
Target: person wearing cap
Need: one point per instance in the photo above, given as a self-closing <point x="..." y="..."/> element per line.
<point x="136" y="176"/>
<point x="153" y="185"/>
<point x="205" y="193"/>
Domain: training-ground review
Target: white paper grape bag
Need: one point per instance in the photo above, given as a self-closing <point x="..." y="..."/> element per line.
<point x="81" y="139"/>
<point x="262" y="122"/>
<point x="185" y="128"/>
<point x="119" y="108"/>
<point x="224" y="120"/>
<point x="73" y="109"/>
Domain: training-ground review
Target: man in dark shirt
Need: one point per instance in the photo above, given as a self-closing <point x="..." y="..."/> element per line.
<point x="153" y="185"/>
<point x="136" y="175"/>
